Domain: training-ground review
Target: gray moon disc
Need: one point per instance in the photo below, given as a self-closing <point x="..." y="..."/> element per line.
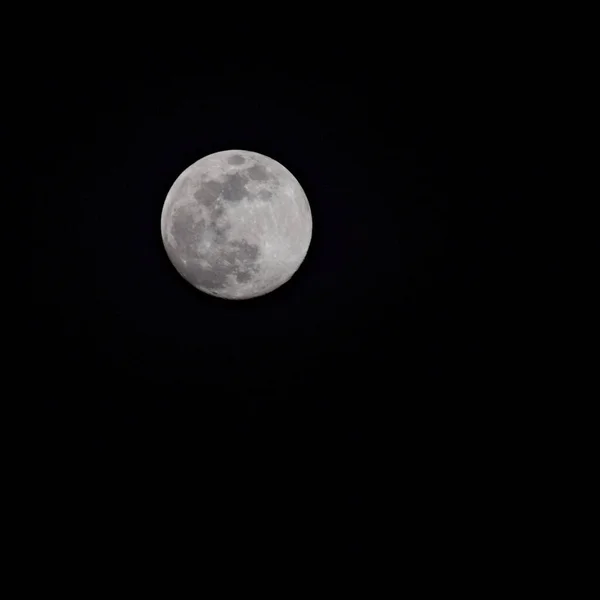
<point x="236" y="224"/>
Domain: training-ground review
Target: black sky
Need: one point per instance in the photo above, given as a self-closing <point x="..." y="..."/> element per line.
<point x="399" y="328"/>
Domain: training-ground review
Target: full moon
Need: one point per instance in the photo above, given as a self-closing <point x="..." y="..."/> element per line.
<point x="236" y="224"/>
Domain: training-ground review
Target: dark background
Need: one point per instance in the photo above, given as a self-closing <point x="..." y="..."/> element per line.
<point x="395" y="354"/>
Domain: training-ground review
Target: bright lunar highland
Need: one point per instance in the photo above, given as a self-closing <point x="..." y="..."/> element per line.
<point x="236" y="224"/>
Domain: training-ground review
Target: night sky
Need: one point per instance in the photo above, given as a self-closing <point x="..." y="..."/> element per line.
<point x="393" y="346"/>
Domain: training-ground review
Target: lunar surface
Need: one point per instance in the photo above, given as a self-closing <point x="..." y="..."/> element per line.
<point x="236" y="224"/>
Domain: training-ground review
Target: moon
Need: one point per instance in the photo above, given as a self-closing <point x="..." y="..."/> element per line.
<point x="236" y="224"/>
